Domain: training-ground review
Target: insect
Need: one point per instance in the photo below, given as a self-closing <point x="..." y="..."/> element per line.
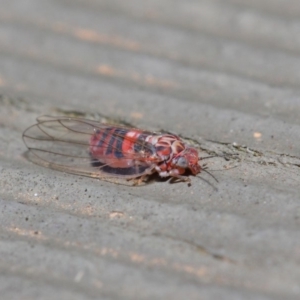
<point x="90" y="148"/>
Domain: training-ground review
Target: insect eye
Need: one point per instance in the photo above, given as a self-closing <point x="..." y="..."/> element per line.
<point x="182" y="162"/>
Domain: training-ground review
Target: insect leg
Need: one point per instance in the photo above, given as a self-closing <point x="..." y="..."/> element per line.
<point x="174" y="173"/>
<point x="143" y="178"/>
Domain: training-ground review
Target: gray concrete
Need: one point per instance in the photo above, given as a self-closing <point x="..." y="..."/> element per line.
<point x="225" y="74"/>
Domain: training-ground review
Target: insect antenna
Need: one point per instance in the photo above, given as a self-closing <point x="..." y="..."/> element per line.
<point x="209" y="183"/>
<point x="202" y="158"/>
<point x="204" y="170"/>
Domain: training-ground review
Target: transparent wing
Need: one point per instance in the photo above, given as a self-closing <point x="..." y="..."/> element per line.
<point x="63" y="143"/>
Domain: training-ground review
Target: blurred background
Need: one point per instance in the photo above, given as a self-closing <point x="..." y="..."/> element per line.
<point x="223" y="73"/>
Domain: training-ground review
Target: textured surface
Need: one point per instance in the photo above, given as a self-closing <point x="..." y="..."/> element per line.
<point x="223" y="73"/>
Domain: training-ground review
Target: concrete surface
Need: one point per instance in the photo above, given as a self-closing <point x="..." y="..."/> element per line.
<point x="225" y="74"/>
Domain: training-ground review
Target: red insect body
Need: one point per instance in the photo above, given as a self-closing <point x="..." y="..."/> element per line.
<point x="99" y="150"/>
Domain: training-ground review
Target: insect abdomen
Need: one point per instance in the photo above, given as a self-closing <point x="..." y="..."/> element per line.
<point x="118" y="143"/>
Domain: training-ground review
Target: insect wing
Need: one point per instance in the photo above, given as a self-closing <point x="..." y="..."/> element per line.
<point x="63" y="144"/>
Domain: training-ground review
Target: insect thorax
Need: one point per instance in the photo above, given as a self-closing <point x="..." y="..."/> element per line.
<point x="167" y="146"/>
